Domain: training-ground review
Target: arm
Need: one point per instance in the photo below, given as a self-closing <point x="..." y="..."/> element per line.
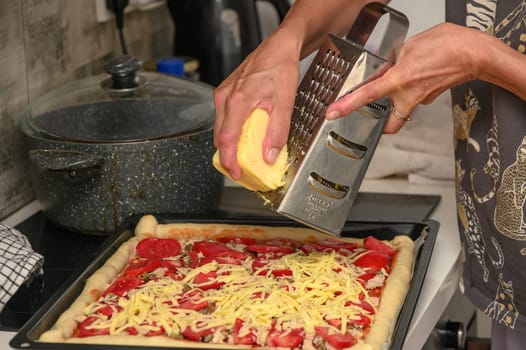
<point x="434" y="61"/>
<point x="268" y="77"/>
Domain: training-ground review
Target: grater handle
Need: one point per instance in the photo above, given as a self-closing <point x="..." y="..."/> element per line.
<point x="394" y="34"/>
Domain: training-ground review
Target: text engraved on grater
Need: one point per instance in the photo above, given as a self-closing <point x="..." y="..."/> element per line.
<point x="316" y="207"/>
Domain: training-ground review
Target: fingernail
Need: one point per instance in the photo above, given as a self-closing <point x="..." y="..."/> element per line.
<point x="272" y="155"/>
<point x="332" y="115"/>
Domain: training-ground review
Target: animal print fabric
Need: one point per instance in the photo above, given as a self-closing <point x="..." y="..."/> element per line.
<point x="490" y="152"/>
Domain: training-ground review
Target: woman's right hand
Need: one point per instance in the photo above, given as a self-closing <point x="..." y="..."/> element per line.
<point x="266" y="79"/>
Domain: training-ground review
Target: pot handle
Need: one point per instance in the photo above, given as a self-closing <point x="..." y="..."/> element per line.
<point x="71" y="165"/>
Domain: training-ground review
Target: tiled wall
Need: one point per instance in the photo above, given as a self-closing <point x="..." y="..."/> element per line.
<point x="46" y="43"/>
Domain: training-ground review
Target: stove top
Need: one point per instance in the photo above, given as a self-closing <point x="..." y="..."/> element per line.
<point x="66" y="253"/>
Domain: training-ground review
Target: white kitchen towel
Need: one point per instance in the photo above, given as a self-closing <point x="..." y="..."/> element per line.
<point x="18" y="262"/>
<point x="422" y="150"/>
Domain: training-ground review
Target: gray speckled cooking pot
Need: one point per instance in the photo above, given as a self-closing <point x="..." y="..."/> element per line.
<point x="97" y="160"/>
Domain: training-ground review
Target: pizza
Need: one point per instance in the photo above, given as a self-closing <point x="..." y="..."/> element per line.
<point x="225" y="285"/>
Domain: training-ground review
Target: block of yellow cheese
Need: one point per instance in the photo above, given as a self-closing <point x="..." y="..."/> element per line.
<point x="257" y="174"/>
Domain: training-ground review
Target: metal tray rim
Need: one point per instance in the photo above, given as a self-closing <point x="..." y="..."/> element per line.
<point x="24" y="340"/>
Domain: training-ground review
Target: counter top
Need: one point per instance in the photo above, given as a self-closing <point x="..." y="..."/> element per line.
<point x="443" y="272"/>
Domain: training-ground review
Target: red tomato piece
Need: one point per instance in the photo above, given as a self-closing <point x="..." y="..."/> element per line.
<point x="131" y="331"/>
<point x="308" y="248"/>
<point x="362" y="322"/>
<point x="231" y="257"/>
<point x="267" y="248"/>
<point x="373" y="260"/>
<point x="287" y="339"/>
<point x="283" y="242"/>
<point x="158" y="248"/>
<point x="201" y="280"/>
<point x="108" y="310"/>
<point x="259" y="262"/>
<point x="247" y="339"/>
<point x="260" y="295"/>
<point x="192" y="300"/>
<point x="209" y="248"/>
<point x="192" y="260"/>
<point x="84" y="329"/>
<point x="141" y="265"/>
<point x="373" y="243"/>
<point x="236" y="240"/>
<point x="188" y="333"/>
<point x="376" y="292"/>
<point x="366" y="277"/>
<point x="123" y="284"/>
<point x="333" y="242"/>
<point x="154" y="332"/>
<point x="282" y="273"/>
<point x="171" y="264"/>
<point x="338" y="340"/>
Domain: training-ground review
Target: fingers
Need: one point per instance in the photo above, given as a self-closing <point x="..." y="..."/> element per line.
<point x="370" y="92"/>
<point x="277" y="133"/>
<point x="228" y="131"/>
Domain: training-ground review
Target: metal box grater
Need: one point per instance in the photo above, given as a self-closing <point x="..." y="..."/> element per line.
<point x="328" y="159"/>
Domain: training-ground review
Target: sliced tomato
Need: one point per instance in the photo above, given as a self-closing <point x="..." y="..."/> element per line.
<point x="108" y="310"/>
<point x="373" y="243"/>
<point x="192" y="300"/>
<point x="337" y="340"/>
<point x="308" y="248"/>
<point x="190" y="334"/>
<point x="172" y="264"/>
<point x="236" y="240"/>
<point x="206" y="281"/>
<point x="333" y="242"/>
<point x="287" y="339"/>
<point x="259" y="262"/>
<point x="280" y="242"/>
<point x="362" y="321"/>
<point x="158" y="248"/>
<point x="260" y="295"/>
<point x="373" y="260"/>
<point x="267" y="248"/>
<point x="85" y="329"/>
<point x="154" y="332"/>
<point x="209" y="248"/>
<point x="123" y="284"/>
<point x="367" y="307"/>
<point x="375" y="292"/>
<point x="281" y="272"/>
<point x="363" y="278"/>
<point x="246" y="339"/>
<point x="192" y="259"/>
<point x="131" y="331"/>
<point x="139" y="265"/>
<point x="231" y="257"/>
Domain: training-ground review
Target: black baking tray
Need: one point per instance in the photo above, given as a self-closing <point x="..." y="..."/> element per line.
<point x="423" y="233"/>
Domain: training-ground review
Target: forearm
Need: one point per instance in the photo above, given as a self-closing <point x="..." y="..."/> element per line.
<point x="309" y="21"/>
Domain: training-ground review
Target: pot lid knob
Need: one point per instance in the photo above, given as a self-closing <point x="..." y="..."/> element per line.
<point x="123" y="71"/>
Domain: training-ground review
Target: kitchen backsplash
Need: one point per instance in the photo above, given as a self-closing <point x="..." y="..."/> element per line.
<point x="46" y="43"/>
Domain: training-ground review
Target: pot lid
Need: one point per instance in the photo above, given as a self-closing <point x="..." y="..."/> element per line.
<point x="125" y="106"/>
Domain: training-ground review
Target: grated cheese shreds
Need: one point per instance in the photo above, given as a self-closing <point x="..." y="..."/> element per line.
<point x="320" y="288"/>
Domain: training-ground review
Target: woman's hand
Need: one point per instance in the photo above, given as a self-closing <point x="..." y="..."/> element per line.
<point x="266" y="79"/>
<point x="428" y="64"/>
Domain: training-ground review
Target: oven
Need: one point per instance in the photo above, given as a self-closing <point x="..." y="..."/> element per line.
<point x="456" y="325"/>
